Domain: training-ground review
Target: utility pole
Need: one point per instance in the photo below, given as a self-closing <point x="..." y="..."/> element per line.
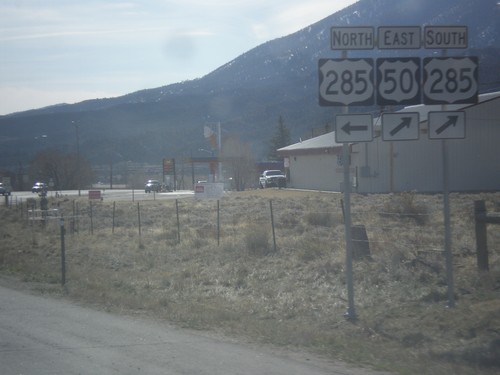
<point x="77" y="157"/>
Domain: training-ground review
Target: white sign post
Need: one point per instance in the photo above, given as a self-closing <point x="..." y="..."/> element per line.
<point x="447" y="125"/>
<point x="399" y="37"/>
<point x="400" y="126"/>
<point x="398" y="81"/>
<point x="353" y="128"/>
<point x="346" y="82"/>
<point x="351" y="38"/>
<point x="450" y="80"/>
<point x="445" y="37"/>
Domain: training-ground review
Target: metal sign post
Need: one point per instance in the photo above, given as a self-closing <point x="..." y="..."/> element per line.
<point x="397" y="81"/>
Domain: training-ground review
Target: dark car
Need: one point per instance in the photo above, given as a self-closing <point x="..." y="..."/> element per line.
<point x="152" y="185"/>
<point x="4" y="189"/>
<point x="39" y="187"/>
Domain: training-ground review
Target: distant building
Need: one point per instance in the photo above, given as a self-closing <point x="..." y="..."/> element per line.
<point x="383" y="166"/>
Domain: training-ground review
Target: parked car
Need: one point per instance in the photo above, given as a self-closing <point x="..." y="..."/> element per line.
<point x="4" y="189"/>
<point x="272" y="178"/>
<point x="152" y="185"/>
<point x="39" y="187"/>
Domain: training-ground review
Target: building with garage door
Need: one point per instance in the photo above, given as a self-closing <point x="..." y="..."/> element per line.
<point x="382" y="166"/>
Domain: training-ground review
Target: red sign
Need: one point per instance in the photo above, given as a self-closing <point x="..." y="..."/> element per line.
<point x="95" y="194"/>
<point x="168" y="165"/>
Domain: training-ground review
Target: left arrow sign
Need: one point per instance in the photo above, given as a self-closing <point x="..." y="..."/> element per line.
<point x="354" y="128"/>
<point x="348" y="128"/>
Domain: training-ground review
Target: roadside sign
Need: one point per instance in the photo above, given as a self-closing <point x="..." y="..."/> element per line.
<point x="447" y="125"/>
<point x="400" y="126"/>
<point x="209" y="190"/>
<point x="350" y="38"/>
<point x="398" y="81"/>
<point x="95" y="194"/>
<point x="353" y="128"/>
<point x="445" y="37"/>
<point x="450" y="80"/>
<point x="346" y="82"/>
<point x="399" y="37"/>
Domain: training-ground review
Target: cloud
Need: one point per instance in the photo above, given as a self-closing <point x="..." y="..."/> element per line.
<point x="95" y="48"/>
<point x="15" y="99"/>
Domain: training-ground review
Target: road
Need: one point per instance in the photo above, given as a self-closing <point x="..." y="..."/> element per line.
<point x="42" y="335"/>
<point x="108" y="194"/>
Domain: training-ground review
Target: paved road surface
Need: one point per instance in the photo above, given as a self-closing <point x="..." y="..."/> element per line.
<point x="108" y="195"/>
<point x="47" y="336"/>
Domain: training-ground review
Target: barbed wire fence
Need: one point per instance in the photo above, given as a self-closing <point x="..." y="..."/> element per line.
<point x="406" y="229"/>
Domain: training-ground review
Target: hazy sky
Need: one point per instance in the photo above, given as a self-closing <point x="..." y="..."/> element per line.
<point x="65" y="51"/>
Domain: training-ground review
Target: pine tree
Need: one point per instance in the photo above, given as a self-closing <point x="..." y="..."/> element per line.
<point x="280" y="139"/>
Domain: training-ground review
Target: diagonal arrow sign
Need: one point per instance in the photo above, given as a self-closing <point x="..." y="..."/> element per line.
<point x="452" y="121"/>
<point x="405" y="122"/>
<point x="348" y="128"/>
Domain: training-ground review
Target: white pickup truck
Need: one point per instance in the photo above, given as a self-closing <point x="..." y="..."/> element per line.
<point x="272" y="178"/>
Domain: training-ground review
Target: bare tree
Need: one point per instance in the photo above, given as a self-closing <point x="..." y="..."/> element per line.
<point x="62" y="169"/>
<point x="238" y="161"/>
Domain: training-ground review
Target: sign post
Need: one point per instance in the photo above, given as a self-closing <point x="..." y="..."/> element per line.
<point x="345" y="82"/>
<point x="448" y="81"/>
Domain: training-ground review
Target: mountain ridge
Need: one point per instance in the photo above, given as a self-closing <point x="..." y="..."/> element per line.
<point x="247" y="94"/>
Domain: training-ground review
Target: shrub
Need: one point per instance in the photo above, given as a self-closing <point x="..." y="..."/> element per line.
<point x="256" y="239"/>
<point x="404" y="205"/>
<point x="324" y="219"/>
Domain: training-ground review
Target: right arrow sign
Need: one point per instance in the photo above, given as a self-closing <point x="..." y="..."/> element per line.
<point x="400" y="126"/>
<point x="447" y="125"/>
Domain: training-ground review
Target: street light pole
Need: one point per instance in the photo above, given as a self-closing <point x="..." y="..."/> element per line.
<point x="77" y="158"/>
<point x="219" y="154"/>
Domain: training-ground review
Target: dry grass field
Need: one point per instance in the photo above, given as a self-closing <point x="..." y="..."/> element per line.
<point x="221" y="271"/>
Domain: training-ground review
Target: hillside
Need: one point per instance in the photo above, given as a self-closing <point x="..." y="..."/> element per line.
<point x="247" y="95"/>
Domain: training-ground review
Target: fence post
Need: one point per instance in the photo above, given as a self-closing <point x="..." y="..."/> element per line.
<point x="481" y="235"/>
<point x="63" y="254"/>
<point x="91" y="219"/>
<point x="218" y="222"/>
<point x="272" y="224"/>
<point x="139" y="217"/>
<point x="178" y="222"/>
<point x="114" y="210"/>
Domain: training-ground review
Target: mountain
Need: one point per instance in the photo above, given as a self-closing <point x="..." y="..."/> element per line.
<point x="246" y="95"/>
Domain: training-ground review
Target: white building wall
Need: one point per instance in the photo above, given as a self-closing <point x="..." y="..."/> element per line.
<point x="316" y="172"/>
<point x="474" y="162"/>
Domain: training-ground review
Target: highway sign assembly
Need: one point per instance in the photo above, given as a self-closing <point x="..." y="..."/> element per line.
<point x="400" y="126"/>
<point x="447" y="125"/>
<point x="353" y="128"/>
<point x="397" y="81"/>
